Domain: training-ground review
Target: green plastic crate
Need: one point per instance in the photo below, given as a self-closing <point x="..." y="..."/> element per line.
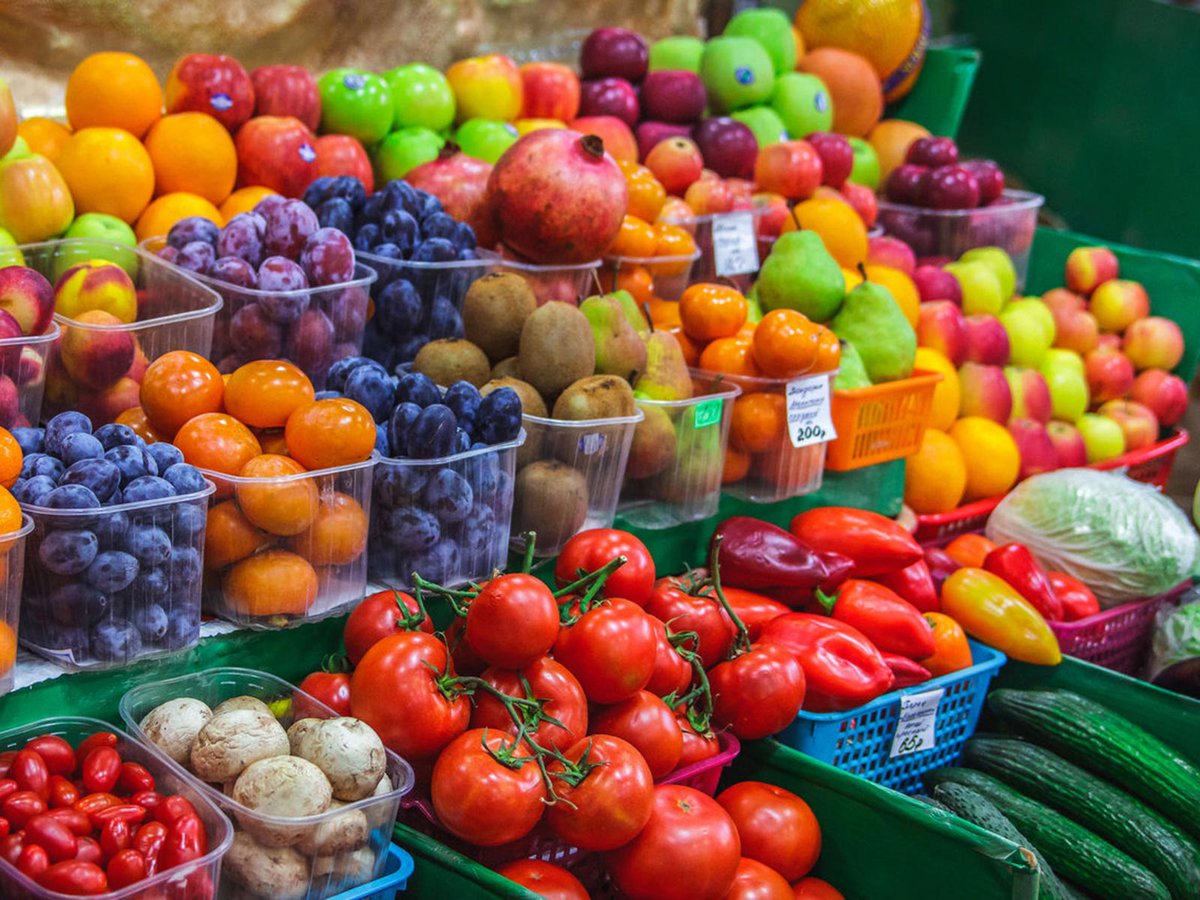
<point x="938" y="99"/>
<point x="440" y="872"/>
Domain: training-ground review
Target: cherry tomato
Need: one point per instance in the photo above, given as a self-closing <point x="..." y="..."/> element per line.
<point x="129" y="813"/>
<point x="689" y="850"/>
<point x="7" y="786"/>
<point x="63" y="792"/>
<point x="758" y="693"/>
<point x="481" y="800"/>
<point x="696" y="746"/>
<point x="101" y="769"/>
<point x="21" y="806"/>
<point x="703" y="615"/>
<point x="5" y="827"/>
<point x="134" y="777"/>
<point x="93" y="803"/>
<point x="544" y="879"/>
<point x="173" y="808"/>
<point x="89" y="850"/>
<point x="148" y="799"/>
<point x="547" y="680"/>
<point x="593" y="549"/>
<point x="649" y="725"/>
<point x="78" y="822"/>
<point x="186" y="841"/>
<point x="30" y="773"/>
<point x="75" y="877"/>
<point x="754" y="881"/>
<point x="55" y="752"/>
<point x="381" y="614"/>
<point x="10" y="847"/>
<point x="777" y="827"/>
<point x="115" y="836"/>
<point x="52" y="835"/>
<point x="6" y="759"/>
<point x="125" y="868"/>
<point x="611" y="804"/>
<point x="33" y="861"/>
<point x="90" y="743"/>
<point x="395" y="689"/>
<point x="512" y="621"/>
<point x="813" y="888"/>
<point x="148" y="841"/>
<point x="330" y="688"/>
<point x="755" y="610"/>
<point x="610" y="649"/>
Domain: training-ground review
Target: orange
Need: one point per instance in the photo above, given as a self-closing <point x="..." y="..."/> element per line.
<point x="168" y="209"/>
<point x="853" y="86"/>
<point x="786" y="343"/>
<point x="758" y="422"/>
<point x="891" y="138"/>
<point x="273" y="441"/>
<point x="11" y="458"/>
<point x="328" y="433"/>
<point x="936" y="475"/>
<point x="947" y="393"/>
<point x="338" y="535"/>
<point x="902" y="289"/>
<point x="44" y="136"/>
<point x="646" y="193"/>
<point x="8" y="648"/>
<point x="108" y="171"/>
<point x="711" y="311"/>
<point x="991" y="454"/>
<point x="813" y="888"/>
<point x="135" y="418"/>
<point x="279" y="504"/>
<point x="217" y="442"/>
<point x="737" y="466"/>
<point x="636" y="238"/>
<point x="673" y="240"/>
<point x="192" y="152"/>
<point x="117" y="90"/>
<point x="970" y="550"/>
<point x="265" y="392"/>
<point x="691" y="349"/>
<point x="829" y="351"/>
<point x="951" y="651"/>
<point x="177" y="386"/>
<point x="272" y="583"/>
<point x="243" y="200"/>
<point x="229" y="536"/>
<point x="10" y="512"/>
<point x="665" y="313"/>
<point x="732" y="355"/>
<point x="839" y="226"/>
<point x="632" y="277"/>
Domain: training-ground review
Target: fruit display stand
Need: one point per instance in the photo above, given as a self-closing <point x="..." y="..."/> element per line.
<point x="939" y="96"/>
<point x="1117" y="638"/>
<point x="881" y="422"/>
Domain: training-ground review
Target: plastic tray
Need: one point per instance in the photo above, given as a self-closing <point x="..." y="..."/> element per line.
<point x="597" y="451"/>
<point x="705" y="267"/>
<point x="860" y="740"/>
<point x="569" y="284"/>
<point x="63" y="616"/>
<point x="678" y="454"/>
<point x="24" y="362"/>
<point x="946" y="234"/>
<point x="339" y="573"/>
<point x="476" y="546"/>
<point x="195" y="879"/>
<point x="1117" y="638"/>
<point x="670" y="274"/>
<point x="880" y="423"/>
<point x="175" y="312"/>
<point x="217" y="685"/>
<point x="397" y="870"/>
<point x="330" y="324"/>
<point x="12" y="565"/>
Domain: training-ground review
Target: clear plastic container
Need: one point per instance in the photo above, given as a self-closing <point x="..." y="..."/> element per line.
<point x="701" y="229"/>
<point x="196" y="879"/>
<point x="262" y="570"/>
<point x="90" y="601"/>
<point x="678" y="456"/>
<point x="328" y="874"/>
<point x="945" y="234"/>
<point x="23" y="365"/>
<point x="312" y="328"/>
<point x="393" y="336"/>
<point x="174" y="312"/>
<point x="12" y="565"/>
<point x="567" y="283"/>
<point x="670" y="275"/>
<point x="446" y="519"/>
<point x="569" y="477"/>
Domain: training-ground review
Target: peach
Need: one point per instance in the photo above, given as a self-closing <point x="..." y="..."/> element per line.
<point x="137" y="370"/>
<point x="987" y="341"/>
<point x="30" y="367"/>
<point x="1117" y="304"/>
<point x="28" y="297"/>
<point x="941" y="327"/>
<point x="10" y="403"/>
<point x="1062" y="298"/>
<point x="677" y="163"/>
<point x="618" y="139"/>
<point x="1153" y="343"/>
<point x="1034" y="444"/>
<point x="1138" y="422"/>
<point x="1068" y="444"/>
<point x="35" y="201"/>
<point x="1089" y="267"/>
<point x="984" y="392"/>
<point x="708" y="195"/>
<point x="111" y="402"/>
<point x="1109" y="375"/>
<point x="1030" y="394"/>
<point x="96" y="358"/>
<point x="1164" y="394"/>
<point x="1075" y="329"/>
<point x="96" y="285"/>
<point x="883" y="250"/>
<point x="10" y="342"/>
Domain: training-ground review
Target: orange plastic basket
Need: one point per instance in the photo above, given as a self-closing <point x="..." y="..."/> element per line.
<point x="880" y="423"/>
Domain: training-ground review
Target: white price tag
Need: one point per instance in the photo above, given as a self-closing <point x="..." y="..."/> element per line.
<point x="810" y="411"/>
<point x="735" y="246"/>
<point x="915" y="730"/>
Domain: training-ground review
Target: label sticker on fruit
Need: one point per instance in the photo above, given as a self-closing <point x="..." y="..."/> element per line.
<point x="591" y="444"/>
<point x="809" y="411"/>
<point x="707" y="413"/>
<point x="220" y="102"/>
<point x="735" y="247"/>
<point x="306" y="152"/>
<point x="915" y="730"/>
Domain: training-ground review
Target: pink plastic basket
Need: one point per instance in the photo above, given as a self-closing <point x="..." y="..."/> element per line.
<point x="1117" y="638"/>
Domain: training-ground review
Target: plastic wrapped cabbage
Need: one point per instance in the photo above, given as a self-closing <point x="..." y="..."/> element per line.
<point x="1121" y="538"/>
<point x="1175" y="649"/>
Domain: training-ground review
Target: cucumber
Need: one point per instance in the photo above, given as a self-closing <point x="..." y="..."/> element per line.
<point x="1075" y="853"/>
<point x="1151" y="839"/>
<point x="974" y="807"/>
<point x="1096" y="738"/>
<point x="929" y="801"/>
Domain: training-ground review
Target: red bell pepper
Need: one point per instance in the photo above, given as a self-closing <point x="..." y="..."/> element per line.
<point x="876" y="544"/>
<point x="1077" y="599"/>
<point x="842" y="668"/>
<point x="891" y="623"/>
<point x="758" y="555"/>
<point x="907" y="671"/>
<point x="915" y="585"/>
<point x="1016" y="565"/>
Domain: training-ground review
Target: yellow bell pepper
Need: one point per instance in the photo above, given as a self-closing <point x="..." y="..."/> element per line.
<point x="994" y="613"/>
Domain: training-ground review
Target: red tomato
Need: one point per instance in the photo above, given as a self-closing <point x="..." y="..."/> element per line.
<point x="513" y="621"/>
<point x="63" y="792"/>
<point x="30" y="773"/>
<point x="611" y="804"/>
<point x="610" y="649"/>
<point x="21" y="806"/>
<point x="78" y="822"/>
<point x="544" y="879"/>
<point x="125" y="868"/>
<point x="10" y="847"/>
<point x="89" y="851"/>
<point x="57" y="753"/>
<point x="148" y="841"/>
<point x="754" y="881"/>
<point x="7" y="786"/>
<point x="186" y="841"/>
<point x="330" y="688"/>
<point x="811" y="888"/>
<point x="53" y="836"/>
<point x="689" y="850"/>
<point x="171" y="809"/>
<point x="481" y="800"/>
<point x="593" y="549"/>
<point x="33" y="861"/>
<point x="547" y="680"/>
<point x="649" y="725"/>
<point x="395" y="689"/>
<point x="696" y="746"/>
<point x="101" y="769"/>
<point x="115" y="836"/>
<point x="758" y="693"/>
<point x="703" y="615"/>
<point x="93" y="803"/>
<point x="75" y="877"/>
<point x="134" y="777"/>
<point x="90" y="743"/>
<point x="755" y="610"/>
<point x="672" y="673"/>
<point x="6" y="759"/>
<point x="381" y="614"/>
<point x="466" y="660"/>
<point x="777" y="827"/>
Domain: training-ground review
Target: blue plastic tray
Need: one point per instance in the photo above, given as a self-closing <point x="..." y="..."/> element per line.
<point x="859" y="741"/>
<point x="396" y="872"/>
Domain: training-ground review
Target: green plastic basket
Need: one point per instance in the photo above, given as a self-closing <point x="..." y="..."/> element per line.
<point x="442" y="872"/>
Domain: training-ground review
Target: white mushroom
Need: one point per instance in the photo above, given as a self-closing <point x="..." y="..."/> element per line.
<point x="279" y="873"/>
<point x="173" y="726"/>
<point x="347" y="750"/>
<point x="242" y="702"/>
<point x="346" y="870"/>
<point x="232" y="740"/>
<point x="340" y="833"/>
<point x="382" y="815"/>
<point x="285" y="787"/>
<point x="298" y="729"/>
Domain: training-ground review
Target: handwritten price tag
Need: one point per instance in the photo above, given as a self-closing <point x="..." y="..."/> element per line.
<point x="915" y="730"/>
<point x="809" y="411"/>
<point x="735" y="247"/>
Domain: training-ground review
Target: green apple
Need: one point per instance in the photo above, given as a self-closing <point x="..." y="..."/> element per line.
<point x="98" y="227"/>
<point x="1058" y="358"/>
<point x="678" y="52"/>
<point x="764" y="122"/>
<point x="485" y="139"/>
<point x="1067" y="384"/>
<point x="422" y="96"/>
<point x="9" y="254"/>
<point x="1039" y="310"/>
<point x="771" y="28"/>
<point x="1102" y="437"/>
<point x="356" y="102"/>
<point x="737" y="72"/>
<point x="402" y="151"/>
<point x="865" y="170"/>
<point x="1026" y="337"/>
<point x="999" y="262"/>
<point x="981" y="290"/>
<point x="803" y="103"/>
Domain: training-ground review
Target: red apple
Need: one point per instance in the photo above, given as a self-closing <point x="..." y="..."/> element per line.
<point x="618" y="139"/>
<point x="676" y="163"/>
<point x="790" y="168"/>
<point x="213" y="84"/>
<point x="729" y="147"/>
<point x="1067" y="300"/>
<point x="935" y="284"/>
<point x="340" y="154"/>
<point x="1075" y="329"/>
<point x="1068" y="445"/>
<point x="550" y="90"/>
<point x="1108" y="342"/>
<point x="610" y="97"/>
<point x="862" y="199"/>
<point x="942" y="327"/>
<point x="277" y="152"/>
<point x="673" y="96"/>
<point x="884" y="250"/>
<point x="1153" y="343"/>
<point x="1109" y="375"/>
<point x="837" y="156"/>
<point x="1035" y="446"/>
<point x="984" y="392"/>
<point x="987" y="341"/>
<point x="775" y="212"/>
<point x="1138" y="422"/>
<point x="1089" y="267"/>
<point x="460" y="182"/>
<point x="1118" y="303"/>
<point x="287" y="91"/>
<point x="650" y="134"/>
<point x="1166" y="395"/>
<point x="708" y="194"/>
<point x="1030" y="394"/>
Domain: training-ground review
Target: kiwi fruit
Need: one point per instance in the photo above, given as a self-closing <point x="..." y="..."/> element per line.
<point x="556" y="348"/>
<point x="494" y="310"/>
<point x="448" y="360"/>
<point x="508" y="368"/>
<point x="550" y="499"/>
<point x="596" y="397"/>
<point x="532" y="405"/>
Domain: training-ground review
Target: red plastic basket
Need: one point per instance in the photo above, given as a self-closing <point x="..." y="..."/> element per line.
<point x="1117" y="638"/>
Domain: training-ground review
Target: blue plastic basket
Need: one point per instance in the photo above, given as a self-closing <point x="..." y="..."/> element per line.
<point x="860" y="740"/>
<point x="396" y="871"/>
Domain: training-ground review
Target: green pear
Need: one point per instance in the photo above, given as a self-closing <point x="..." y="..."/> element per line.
<point x="665" y="376"/>
<point x="697" y="470"/>
<point x="851" y="371"/>
<point x="620" y="350"/>
<point x="653" y="446"/>
<point x="801" y="275"/>
<point x="871" y="321"/>
<point x="754" y="311"/>
<point x="632" y="311"/>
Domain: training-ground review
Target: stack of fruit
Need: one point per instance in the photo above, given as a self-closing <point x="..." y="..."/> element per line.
<point x="27" y="331"/>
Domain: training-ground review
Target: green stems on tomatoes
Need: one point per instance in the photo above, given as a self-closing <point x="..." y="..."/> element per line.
<point x="741" y="643"/>
<point x="594" y="581"/>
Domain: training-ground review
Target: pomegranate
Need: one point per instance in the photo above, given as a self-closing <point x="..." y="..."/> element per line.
<point x="557" y="197"/>
<point x="460" y="182"/>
